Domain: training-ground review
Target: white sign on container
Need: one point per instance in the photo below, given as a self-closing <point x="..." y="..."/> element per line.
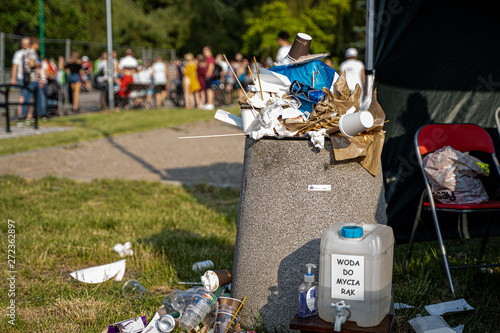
<point x="348" y="277"/>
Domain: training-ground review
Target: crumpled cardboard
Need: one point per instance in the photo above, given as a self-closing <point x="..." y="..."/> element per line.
<point x="327" y="112"/>
<point x="367" y="145"/>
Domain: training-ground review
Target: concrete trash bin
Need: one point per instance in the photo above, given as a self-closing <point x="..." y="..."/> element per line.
<point x="285" y="206"/>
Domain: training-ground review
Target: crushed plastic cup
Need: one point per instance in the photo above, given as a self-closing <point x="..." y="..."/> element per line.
<point x="224" y="319"/>
<point x="180" y="300"/>
<point x="134" y="290"/>
<point x="353" y="123"/>
<point x="169" y="299"/>
<point x="166" y="323"/>
<point x="197" y="309"/>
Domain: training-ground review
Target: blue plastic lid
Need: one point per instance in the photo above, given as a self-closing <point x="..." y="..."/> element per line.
<point x="351" y="231"/>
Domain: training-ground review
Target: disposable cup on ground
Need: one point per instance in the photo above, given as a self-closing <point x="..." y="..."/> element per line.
<point x="213" y="279"/>
<point x="353" y="123"/>
<point x="167" y="300"/>
<point x="134" y="290"/>
<point x="181" y="299"/>
<point x="222" y="320"/>
<point x="235" y="303"/>
<point x="203" y="265"/>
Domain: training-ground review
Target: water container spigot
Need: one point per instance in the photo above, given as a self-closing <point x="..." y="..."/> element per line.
<point x="340" y="318"/>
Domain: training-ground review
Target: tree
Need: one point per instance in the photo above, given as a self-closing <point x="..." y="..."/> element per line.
<point x="328" y="22"/>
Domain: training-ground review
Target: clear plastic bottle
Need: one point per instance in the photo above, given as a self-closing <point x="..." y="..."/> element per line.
<point x="197" y="309"/>
<point x="308" y="305"/>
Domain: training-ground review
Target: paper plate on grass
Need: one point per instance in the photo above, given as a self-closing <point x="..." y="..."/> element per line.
<point x="99" y="274"/>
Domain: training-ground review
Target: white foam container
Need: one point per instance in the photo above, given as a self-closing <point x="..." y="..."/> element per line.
<point x="368" y="289"/>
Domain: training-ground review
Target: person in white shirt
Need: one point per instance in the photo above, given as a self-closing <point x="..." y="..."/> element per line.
<point x="17" y="70"/>
<point x="128" y="61"/>
<point x="160" y="81"/>
<point x="285" y="45"/>
<point x="354" y="70"/>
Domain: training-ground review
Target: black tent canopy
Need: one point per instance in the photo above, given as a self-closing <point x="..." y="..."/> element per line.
<point x="435" y="62"/>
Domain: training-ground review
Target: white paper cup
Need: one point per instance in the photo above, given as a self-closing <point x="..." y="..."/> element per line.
<point x="247" y="117"/>
<point x="354" y="123"/>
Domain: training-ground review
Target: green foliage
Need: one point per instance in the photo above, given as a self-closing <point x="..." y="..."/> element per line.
<point x="321" y="19"/>
<point x="229" y="26"/>
<point x="62" y="18"/>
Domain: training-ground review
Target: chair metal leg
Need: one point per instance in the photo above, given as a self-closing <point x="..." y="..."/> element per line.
<point x="413" y="233"/>
<point x="443" y="252"/>
<point x="485" y="237"/>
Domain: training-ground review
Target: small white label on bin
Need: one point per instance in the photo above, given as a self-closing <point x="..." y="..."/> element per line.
<point x="348" y="277"/>
<point x="319" y="187"/>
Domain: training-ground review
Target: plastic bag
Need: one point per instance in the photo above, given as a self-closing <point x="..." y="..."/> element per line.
<point x="452" y="175"/>
<point x="315" y="74"/>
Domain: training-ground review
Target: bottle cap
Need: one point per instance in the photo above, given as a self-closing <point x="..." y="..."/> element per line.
<point x="351" y="231"/>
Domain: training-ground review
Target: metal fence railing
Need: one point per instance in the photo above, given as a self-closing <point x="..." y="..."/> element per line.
<point x="54" y="48"/>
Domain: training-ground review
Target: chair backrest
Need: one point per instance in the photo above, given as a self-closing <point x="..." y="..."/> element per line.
<point x="462" y="137"/>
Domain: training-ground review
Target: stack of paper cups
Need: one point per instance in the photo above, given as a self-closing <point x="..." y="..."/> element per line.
<point x="226" y="310"/>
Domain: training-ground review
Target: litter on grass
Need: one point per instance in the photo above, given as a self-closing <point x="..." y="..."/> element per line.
<point x="450" y="307"/>
<point x="100" y="274"/>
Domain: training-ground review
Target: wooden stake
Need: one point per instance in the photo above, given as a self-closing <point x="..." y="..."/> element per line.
<point x="241" y="86"/>
<point x="250" y="70"/>
<point x="258" y="76"/>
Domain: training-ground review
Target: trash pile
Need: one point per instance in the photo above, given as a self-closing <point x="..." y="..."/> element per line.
<point x="304" y="97"/>
<point x="207" y="307"/>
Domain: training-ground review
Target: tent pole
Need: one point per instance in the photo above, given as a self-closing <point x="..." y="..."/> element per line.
<point x="369" y="48"/>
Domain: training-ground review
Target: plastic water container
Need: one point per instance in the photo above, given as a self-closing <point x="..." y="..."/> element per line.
<point x="356" y="267"/>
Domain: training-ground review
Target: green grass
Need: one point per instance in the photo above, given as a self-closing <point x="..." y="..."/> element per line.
<point x="63" y="225"/>
<point x="92" y="126"/>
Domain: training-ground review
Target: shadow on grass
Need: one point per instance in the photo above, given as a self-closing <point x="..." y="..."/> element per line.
<point x="182" y="248"/>
<point x="218" y="174"/>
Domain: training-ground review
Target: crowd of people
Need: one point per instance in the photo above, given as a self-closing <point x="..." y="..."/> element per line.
<point x="193" y="79"/>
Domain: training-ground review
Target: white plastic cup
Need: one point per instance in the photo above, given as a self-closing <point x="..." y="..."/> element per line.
<point x="354" y="123"/>
<point x="247" y="117"/>
<point x="181" y="299"/>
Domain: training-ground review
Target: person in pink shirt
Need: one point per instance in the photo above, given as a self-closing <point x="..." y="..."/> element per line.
<point x="209" y="77"/>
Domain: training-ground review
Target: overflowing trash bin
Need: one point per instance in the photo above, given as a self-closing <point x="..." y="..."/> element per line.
<point x="312" y="159"/>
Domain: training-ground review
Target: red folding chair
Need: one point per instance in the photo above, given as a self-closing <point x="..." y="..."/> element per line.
<point x="465" y="138"/>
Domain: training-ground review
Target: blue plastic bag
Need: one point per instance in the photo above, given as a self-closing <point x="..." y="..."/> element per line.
<point x="324" y="76"/>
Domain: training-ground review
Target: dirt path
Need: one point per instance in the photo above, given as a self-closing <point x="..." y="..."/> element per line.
<point x="154" y="155"/>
